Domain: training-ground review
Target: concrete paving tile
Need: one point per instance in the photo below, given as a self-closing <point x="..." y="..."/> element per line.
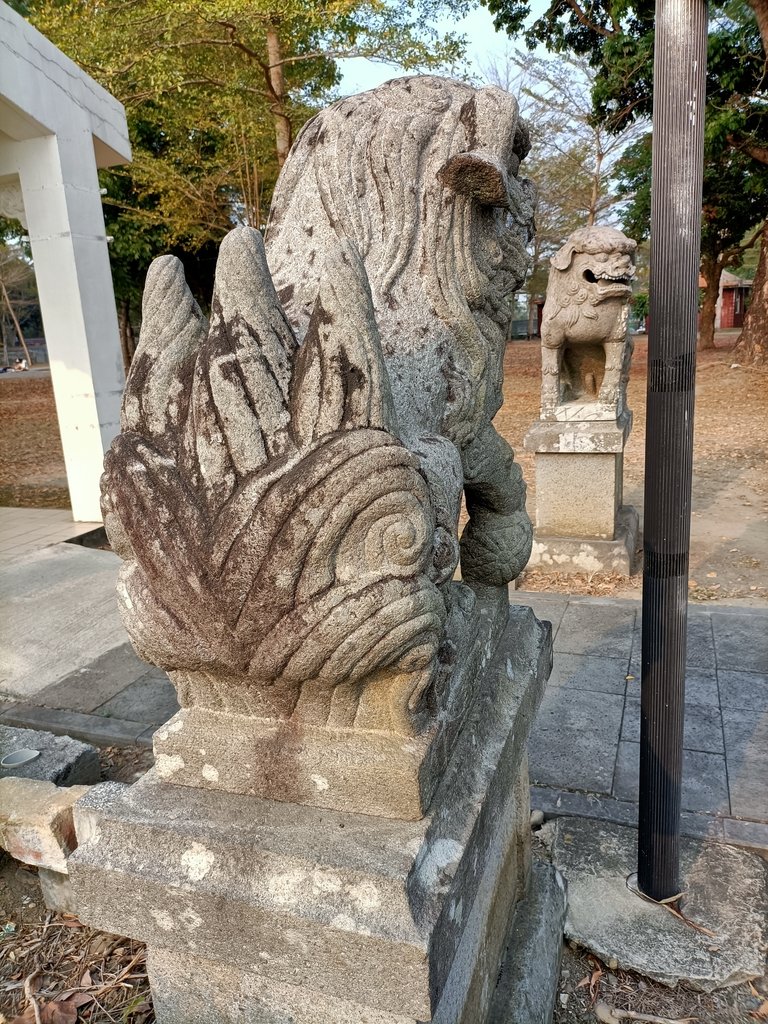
<point x="741" y="642"/>
<point x="703" y="726"/>
<point x="549" y="607"/>
<point x="753" y="834"/>
<point x="91" y="686"/>
<point x="90" y="728"/>
<point x="579" y="672"/>
<point x="597" y="630"/>
<point x="745" y="690"/>
<point x="700" y="649"/>
<point x="562" y="803"/>
<point x="152" y="699"/>
<point x="594" y="713"/>
<point x="702" y="826"/>
<point x="71" y="590"/>
<point x="746" y="751"/>
<point x="705" y="785"/>
<point x="700" y="688"/>
<point x="571" y="758"/>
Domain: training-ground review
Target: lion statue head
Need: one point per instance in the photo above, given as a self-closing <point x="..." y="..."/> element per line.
<point x="421" y="174"/>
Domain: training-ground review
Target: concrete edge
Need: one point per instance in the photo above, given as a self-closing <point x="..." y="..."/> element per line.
<point x="530" y="972"/>
<point x="96" y="729"/>
<point x="562" y="803"/>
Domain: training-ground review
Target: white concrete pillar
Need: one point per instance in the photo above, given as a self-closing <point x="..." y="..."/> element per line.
<point x="60" y="187"/>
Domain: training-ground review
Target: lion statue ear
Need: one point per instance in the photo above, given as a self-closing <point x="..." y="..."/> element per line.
<point x="478" y="175"/>
<point x="563" y="257"/>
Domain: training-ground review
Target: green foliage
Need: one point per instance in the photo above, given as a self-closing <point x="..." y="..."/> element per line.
<point x="641" y="305"/>
<point x="210" y="88"/>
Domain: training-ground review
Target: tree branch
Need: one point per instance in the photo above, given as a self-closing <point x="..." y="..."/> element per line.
<point x="582" y="17"/>
<point x="759" y="153"/>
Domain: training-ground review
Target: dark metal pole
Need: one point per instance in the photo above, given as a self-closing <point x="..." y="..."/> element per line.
<point x="678" y="156"/>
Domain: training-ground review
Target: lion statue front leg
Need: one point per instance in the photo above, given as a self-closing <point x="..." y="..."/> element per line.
<point x="496" y="543"/>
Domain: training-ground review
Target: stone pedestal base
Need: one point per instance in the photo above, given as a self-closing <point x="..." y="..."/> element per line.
<point x="590" y="554"/>
<point x="259" y="912"/>
<point x="581" y="523"/>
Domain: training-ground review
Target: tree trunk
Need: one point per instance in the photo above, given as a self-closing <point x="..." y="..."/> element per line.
<point x="16" y="324"/>
<point x="752" y="346"/>
<point x="760" y="7"/>
<point x="595" y="197"/>
<point x="712" y="271"/>
<point x="127" y="337"/>
<point x="283" y="129"/>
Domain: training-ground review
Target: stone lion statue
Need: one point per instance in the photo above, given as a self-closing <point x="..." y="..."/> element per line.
<point x="421" y="174"/>
<point x="285" y="491"/>
<point x="586" y="347"/>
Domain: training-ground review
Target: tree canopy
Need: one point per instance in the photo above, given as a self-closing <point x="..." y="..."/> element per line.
<point x="214" y="91"/>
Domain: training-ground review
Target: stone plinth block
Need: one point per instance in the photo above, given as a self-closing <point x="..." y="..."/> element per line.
<point x="581" y="523"/>
<point x="287" y="911"/>
<point x="588" y="554"/>
<point x="36" y="821"/>
<point x="578" y="495"/>
<point x="374" y="771"/>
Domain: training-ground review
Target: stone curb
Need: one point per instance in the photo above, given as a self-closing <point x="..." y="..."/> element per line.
<point x="559" y="803"/>
<point x="96" y="729"/>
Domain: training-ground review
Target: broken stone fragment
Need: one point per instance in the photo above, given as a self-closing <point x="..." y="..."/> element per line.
<point x="36" y="824"/>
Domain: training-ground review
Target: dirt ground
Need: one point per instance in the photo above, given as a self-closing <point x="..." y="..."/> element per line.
<point x="729" y="533"/>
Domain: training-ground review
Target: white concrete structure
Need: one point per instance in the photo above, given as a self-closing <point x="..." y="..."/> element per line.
<point x="57" y="126"/>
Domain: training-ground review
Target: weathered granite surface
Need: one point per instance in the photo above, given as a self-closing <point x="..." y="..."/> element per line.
<point x="339" y="817"/>
<point x="585" y="344"/>
<point x="285" y="492"/>
<point x="421" y="175"/>
<point x="371" y="770"/>
<point x="407" y="918"/>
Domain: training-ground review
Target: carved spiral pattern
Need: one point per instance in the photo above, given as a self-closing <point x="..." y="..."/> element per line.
<point x="277" y="535"/>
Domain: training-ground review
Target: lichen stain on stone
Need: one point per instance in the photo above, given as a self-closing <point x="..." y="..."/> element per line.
<point x="320" y="782"/>
<point x="197" y="861"/>
<point x="163" y="920"/>
<point x="209" y="773"/>
<point x="325" y="881"/>
<point x="284" y="888"/>
<point x="167" y="765"/>
<point x="365" y="895"/>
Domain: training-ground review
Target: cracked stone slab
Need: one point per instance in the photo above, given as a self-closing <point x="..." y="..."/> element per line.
<point x="725" y="892"/>
<point x="63" y="760"/>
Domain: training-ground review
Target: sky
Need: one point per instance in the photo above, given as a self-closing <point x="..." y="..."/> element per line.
<point x="484" y="45"/>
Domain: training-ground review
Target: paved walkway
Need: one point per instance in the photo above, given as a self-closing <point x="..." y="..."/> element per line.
<point x="584" y="750"/>
<point x="23" y="530"/>
<point x="68" y="668"/>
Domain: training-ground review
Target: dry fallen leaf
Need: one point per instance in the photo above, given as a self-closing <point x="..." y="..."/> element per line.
<point x="761" y="1013"/>
<point x="606" y="1015"/>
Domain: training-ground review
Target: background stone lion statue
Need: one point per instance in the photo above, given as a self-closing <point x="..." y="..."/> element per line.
<point x="421" y="174"/>
<point x="586" y="347"/>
